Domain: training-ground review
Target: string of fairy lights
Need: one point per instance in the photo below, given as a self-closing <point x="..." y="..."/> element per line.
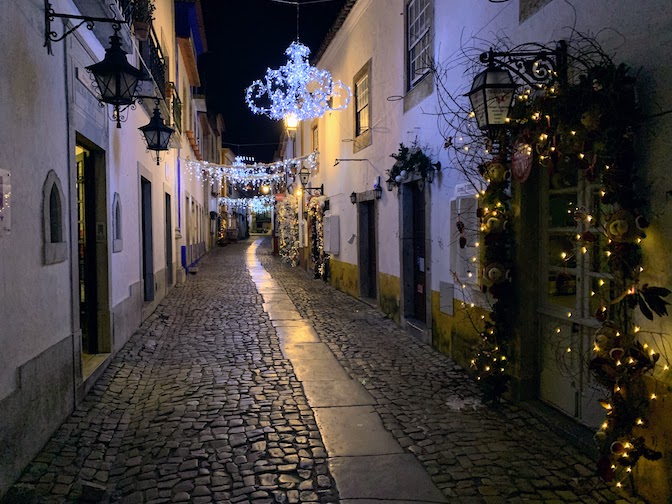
<point x="255" y="175"/>
<point x="256" y="204"/>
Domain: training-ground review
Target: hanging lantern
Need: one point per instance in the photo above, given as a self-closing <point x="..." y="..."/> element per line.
<point x="116" y="78"/>
<point x="304" y="175"/>
<point x="157" y="134"/>
<point x="291" y="124"/>
<point x="353" y="197"/>
<point x="491" y="97"/>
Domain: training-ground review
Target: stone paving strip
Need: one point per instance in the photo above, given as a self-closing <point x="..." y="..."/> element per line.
<point x="473" y="453"/>
<point x="364" y="458"/>
<point x="200" y="406"/>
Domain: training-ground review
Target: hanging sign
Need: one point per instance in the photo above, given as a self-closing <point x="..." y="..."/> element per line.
<point x="521" y="161"/>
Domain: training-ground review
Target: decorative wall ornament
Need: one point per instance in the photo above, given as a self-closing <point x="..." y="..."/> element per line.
<point x="296" y="88"/>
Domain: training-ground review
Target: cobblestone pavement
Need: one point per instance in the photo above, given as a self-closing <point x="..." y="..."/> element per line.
<point x="473" y="453"/>
<point x="200" y="406"/>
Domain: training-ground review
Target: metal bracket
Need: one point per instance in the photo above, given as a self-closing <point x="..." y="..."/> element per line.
<point x="320" y="189"/>
<point x="52" y="36"/>
<point x="535" y="64"/>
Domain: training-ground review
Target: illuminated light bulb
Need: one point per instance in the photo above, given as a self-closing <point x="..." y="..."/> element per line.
<point x="584" y="250"/>
<point x="507" y="120"/>
<point x="592" y="293"/>
<point x="603" y="193"/>
<point x="619" y="484"/>
<point x="641" y="268"/>
<point x="600" y="282"/>
<point x="573" y="132"/>
<point x="483" y="192"/>
<point x="563" y="255"/>
<point x="596" y="348"/>
<point x="618" y="363"/>
<point x="470" y="274"/>
<point x="607" y="253"/>
<point x="666" y="367"/>
<point x="652" y="353"/>
<point x="637" y="329"/>
<point x="472" y="114"/>
<point x="501" y="369"/>
<point x="569" y="314"/>
<point x="466" y="148"/>
<point x="606" y="167"/>
<point x="639" y="240"/>
<point x="640" y="421"/>
<point x="618" y="333"/>
<point x="552" y="149"/>
<point x="472" y="305"/>
<point x="482" y="317"/>
<point x="631" y="360"/>
<point x="464" y="286"/>
<point x="487" y="368"/>
<point x="578" y="236"/>
<point x="473" y="362"/>
<point x="477" y="244"/>
<point x="617" y="389"/>
<point x="605" y="425"/>
<point x="654" y="397"/>
<point x="645" y="345"/>
<point x="628" y="469"/>
<point x="503" y="357"/>
<point x="473" y="259"/>
<point x="581" y="155"/>
<point x="557" y="330"/>
<point x="569" y="349"/>
<point x="613" y="466"/>
<point x="589" y="218"/>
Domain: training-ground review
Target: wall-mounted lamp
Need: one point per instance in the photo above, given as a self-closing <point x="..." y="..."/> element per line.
<point x="291" y="124"/>
<point x="353" y="197"/>
<point x="492" y="90"/>
<point x="377" y="190"/>
<point x="390" y="183"/>
<point x="157" y="134"/>
<point x="304" y="175"/>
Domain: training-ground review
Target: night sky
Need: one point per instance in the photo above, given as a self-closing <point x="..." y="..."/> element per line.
<point x="245" y="37"/>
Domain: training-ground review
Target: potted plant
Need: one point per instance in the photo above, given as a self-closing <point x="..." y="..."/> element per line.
<point x="143" y="14"/>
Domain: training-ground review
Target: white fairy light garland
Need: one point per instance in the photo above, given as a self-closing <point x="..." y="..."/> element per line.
<point x="255" y="203"/>
<point x="256" y="174"/>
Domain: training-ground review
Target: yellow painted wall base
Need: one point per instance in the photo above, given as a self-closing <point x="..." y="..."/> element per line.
<point x="389" y="289"/>
<point x="345" y="277"/>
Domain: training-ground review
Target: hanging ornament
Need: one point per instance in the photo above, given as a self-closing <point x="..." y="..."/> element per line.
<point x="296" y="88"/>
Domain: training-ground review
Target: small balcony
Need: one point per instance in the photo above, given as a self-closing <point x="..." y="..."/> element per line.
<point x="176" y="106"/>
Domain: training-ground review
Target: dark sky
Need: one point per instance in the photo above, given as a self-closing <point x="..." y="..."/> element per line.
<point x="245" y="37"/>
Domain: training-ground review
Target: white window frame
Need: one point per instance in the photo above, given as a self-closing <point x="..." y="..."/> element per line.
<point x="418" y="38"/>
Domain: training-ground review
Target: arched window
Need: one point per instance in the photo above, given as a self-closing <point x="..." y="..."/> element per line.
<point x="53" y="220"/>
<point x="117" y="243"/>
<point x="55" y="216"/>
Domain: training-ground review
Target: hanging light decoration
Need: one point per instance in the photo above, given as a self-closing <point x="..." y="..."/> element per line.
<point x="296" y="88"/>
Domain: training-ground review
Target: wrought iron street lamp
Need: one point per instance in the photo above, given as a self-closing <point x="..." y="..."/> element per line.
<point x="353" y="197"/>
<point x="377" y="191"/>
<point x="291" y="124"/>
<point x="116" y="78"/>
<point x="491" y="96"/>
<point x="492" y="91"/>
<point x="157" y="134"/>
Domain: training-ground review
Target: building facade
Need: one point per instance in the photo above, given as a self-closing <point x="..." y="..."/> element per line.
<point x="408" y="63"/>
<point x="95" y="231"/>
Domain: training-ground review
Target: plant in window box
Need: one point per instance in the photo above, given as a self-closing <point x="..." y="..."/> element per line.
<point x="411" y="160"/>
<point x="143" y="14"/>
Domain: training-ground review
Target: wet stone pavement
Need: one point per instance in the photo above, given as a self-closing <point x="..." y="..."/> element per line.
<point x="203" y="406"/>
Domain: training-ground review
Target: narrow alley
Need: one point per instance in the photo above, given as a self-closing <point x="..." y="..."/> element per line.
<point x="255" y="383"/>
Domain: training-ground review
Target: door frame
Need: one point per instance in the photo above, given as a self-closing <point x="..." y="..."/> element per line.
<point x="368" y="201"/>
<point x="422" y="331"/>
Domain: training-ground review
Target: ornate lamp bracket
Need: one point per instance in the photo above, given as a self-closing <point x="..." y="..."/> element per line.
<point x="534" y="64"/>
<point x="318" y="190"/>
<point x="52" y="36"/>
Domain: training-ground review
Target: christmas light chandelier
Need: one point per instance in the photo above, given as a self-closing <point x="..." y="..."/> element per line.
<point x="296" y="88"/>
<point x="255" y="203"/>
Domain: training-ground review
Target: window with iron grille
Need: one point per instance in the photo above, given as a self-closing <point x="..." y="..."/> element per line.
<point x="418" y="36"/>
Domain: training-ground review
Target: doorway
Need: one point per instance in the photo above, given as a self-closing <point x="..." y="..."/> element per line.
<point x="169" y="242"/>
<point x="573" y="280"/>
<point x="147" y="249"/>
<point x="368" y="251"/>
<point x="86" y="249"/>
<point x="414" y="254"/>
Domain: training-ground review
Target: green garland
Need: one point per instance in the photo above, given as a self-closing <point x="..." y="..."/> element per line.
<point x="410" y="160"/>
<point x="587" y="129"/>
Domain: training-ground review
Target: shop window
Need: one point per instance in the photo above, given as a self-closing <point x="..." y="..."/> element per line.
<point x="53" y="220"/>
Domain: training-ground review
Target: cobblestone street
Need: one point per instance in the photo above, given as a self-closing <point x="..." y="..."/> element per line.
<point x="208" y="403"/>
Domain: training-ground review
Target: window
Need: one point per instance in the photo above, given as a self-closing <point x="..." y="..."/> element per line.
<point x="315" y="142"/>
<point x="418" y="36"/>
<point x="362" y="107"/>
<point x="117" y="243"/>
<point x="53" y="220"/>
<point x="465" y="235"/>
